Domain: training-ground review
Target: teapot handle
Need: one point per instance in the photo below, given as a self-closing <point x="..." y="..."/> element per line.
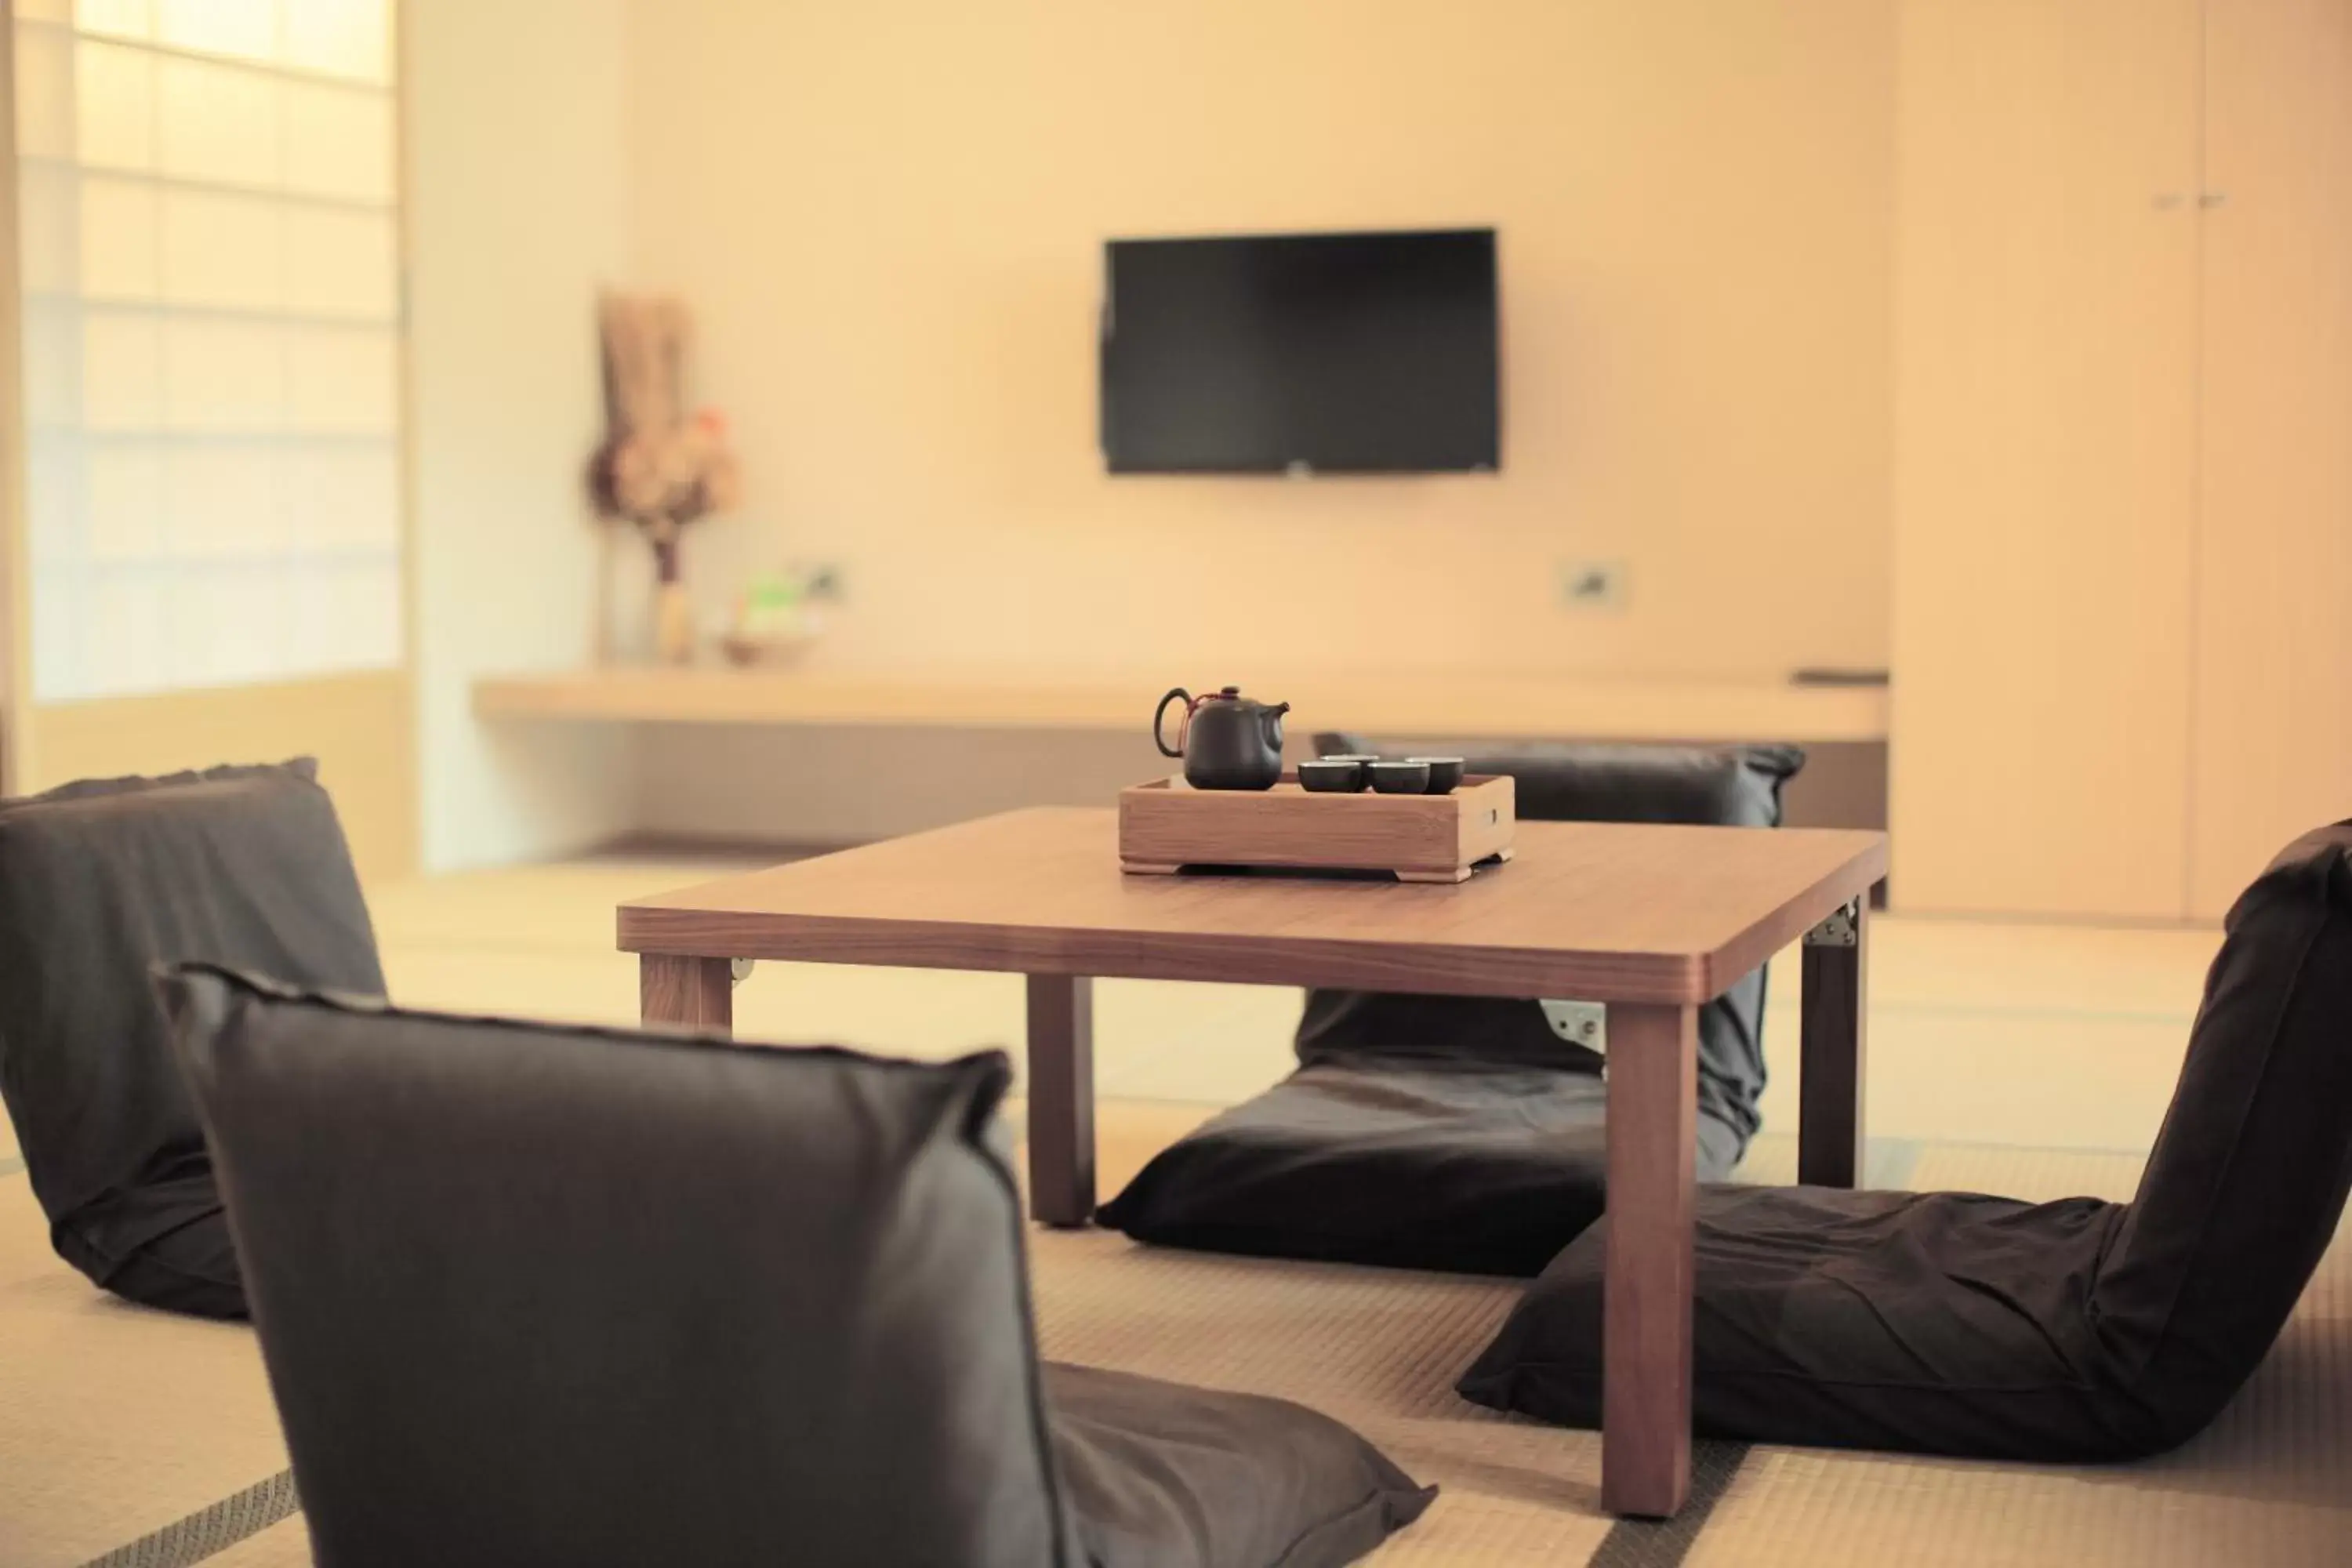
<point x="1159" y="714"/>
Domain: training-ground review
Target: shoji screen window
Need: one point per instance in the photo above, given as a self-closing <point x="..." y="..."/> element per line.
<point x="211" y="334"/>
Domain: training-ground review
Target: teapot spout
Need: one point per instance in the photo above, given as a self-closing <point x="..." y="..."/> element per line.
<point x="1270" y="726"/>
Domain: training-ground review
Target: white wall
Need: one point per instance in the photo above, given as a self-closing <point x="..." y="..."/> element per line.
<point x="889" y="216"/>
<point x="517" y="143"/>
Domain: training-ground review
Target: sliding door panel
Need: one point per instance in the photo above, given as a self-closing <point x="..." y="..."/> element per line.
<point x="2045" y="455"/>
<point x="2273" y="695"/>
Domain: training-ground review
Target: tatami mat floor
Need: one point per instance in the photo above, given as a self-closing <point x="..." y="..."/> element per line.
<point x="2034" y="1061"/>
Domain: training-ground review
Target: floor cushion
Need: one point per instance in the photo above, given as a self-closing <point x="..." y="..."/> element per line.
<point x="1408" y="1162"/>
<point x="1713" y="787"/>
<point x="1956" y="1323"/>
<point x="1162" y="1473"/>
<point x="541" y="1295"/>
<point x="98" y="881"/>
<point x="1453" y="1132"/>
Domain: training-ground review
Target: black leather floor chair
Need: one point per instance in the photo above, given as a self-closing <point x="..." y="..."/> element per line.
<point x="98" y="881"/>
<point x="1456" y="1133"/>
<point x="544" y="1298"/>
<point x="1953" y="1323"/>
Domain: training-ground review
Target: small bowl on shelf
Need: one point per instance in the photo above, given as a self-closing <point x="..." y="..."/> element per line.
<point x="1400" y="778"/>
<point x="750" y="651"/>
<point x="1444" y="773"/>
<point x="1332" y="776"/>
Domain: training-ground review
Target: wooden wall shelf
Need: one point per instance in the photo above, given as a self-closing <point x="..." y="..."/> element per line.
<point x="1405" y="707"/>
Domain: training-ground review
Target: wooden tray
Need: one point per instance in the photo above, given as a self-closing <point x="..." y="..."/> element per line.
<point x="1166" y="825"/>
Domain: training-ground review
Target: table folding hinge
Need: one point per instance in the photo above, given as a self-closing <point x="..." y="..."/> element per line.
<point x="1582" y="1024"/>
<point x="1841" y="930"/>
<point x="738" y="970"/>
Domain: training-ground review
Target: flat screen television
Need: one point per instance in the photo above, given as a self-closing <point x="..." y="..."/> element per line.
<point x="1359" y="353"/>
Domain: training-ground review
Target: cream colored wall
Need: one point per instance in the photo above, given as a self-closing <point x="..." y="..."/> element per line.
<point x="516" y="140"/>
<point x="890" y="216"/>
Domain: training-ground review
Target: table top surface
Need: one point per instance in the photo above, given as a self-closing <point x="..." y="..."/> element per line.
<point x="1605" y="911"/>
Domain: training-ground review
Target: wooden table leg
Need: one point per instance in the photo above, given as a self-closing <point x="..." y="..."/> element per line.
<point x="696" y="994"/>
<point x="1830" y="1086"/>
<point x="1646" y="1377"/>
<point x="1061" y="1099"/>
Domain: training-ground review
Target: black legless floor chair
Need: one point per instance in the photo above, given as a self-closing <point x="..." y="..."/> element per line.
<point x="541" y="1298"/>
<point x="98" y="881"/>
<point x="1456" y="1133"/>
<point x="1954" y="1323"/>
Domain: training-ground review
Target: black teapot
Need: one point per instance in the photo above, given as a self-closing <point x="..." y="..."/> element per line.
<point x="1227" y="740"/>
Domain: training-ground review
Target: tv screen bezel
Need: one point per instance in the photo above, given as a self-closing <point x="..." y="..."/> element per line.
<point x="1115" y="466"/>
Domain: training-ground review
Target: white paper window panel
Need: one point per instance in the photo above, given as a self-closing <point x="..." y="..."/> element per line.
<point x="127" y="635"/>
<point x="143" y="631"/>
<point x="243" y="29"/>
<point x="47" y="241"/>
<point x="342" y="380"/>
<point x="221" y="252"/>
<point x="126" y="500"/>
<point x="338" y="495"/>
<point x="44" y="93"/>
<point x="229" y="624"/>
<point x="223" y="376"/>
<point x="220" y="499"/>
<point x="56" y="500"/>
<point x="51" y="346"/>
<point x="139" y="630"/>
<point x="122" y="371"/>
<point x="340" y="37"/>
<point x="157" y="498"/>
<point x="338" y="142"/>
<point x="345" y="614"/>
<point x="218" y="122"/>
<point x="212" y="123"/>
<point x="114" y="105"/>
<point x="119" y="233"/>
<point x="59" y="629"/>
<point x="213" y="250"/>
<point x="341" y="262"/>
<point x="343" y="37"/>
<point x="143" y="372"/>
<point x="121" y="18"/>
<point x="131" y="630"/>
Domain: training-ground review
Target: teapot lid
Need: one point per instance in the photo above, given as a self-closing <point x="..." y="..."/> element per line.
<point x="1232" y="694"/>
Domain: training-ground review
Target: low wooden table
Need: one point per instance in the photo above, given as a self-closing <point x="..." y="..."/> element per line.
<point x="1640" y="924"/>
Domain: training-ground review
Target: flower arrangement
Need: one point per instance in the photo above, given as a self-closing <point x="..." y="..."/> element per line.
<point x="659" y="465"/>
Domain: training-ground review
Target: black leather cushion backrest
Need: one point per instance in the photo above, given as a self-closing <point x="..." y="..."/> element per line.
<point x="99" y="880"/>
<point x="533" y="1295"/>
<point x="2249" y="1177"/>
<point x="1726" y="786"/>
<point x="1731" y="786"/>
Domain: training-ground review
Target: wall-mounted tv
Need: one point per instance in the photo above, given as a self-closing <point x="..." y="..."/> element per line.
<point x="1372" y="352"/>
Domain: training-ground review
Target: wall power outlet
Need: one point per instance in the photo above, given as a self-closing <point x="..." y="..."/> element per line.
<point x="1593" y="585"/>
